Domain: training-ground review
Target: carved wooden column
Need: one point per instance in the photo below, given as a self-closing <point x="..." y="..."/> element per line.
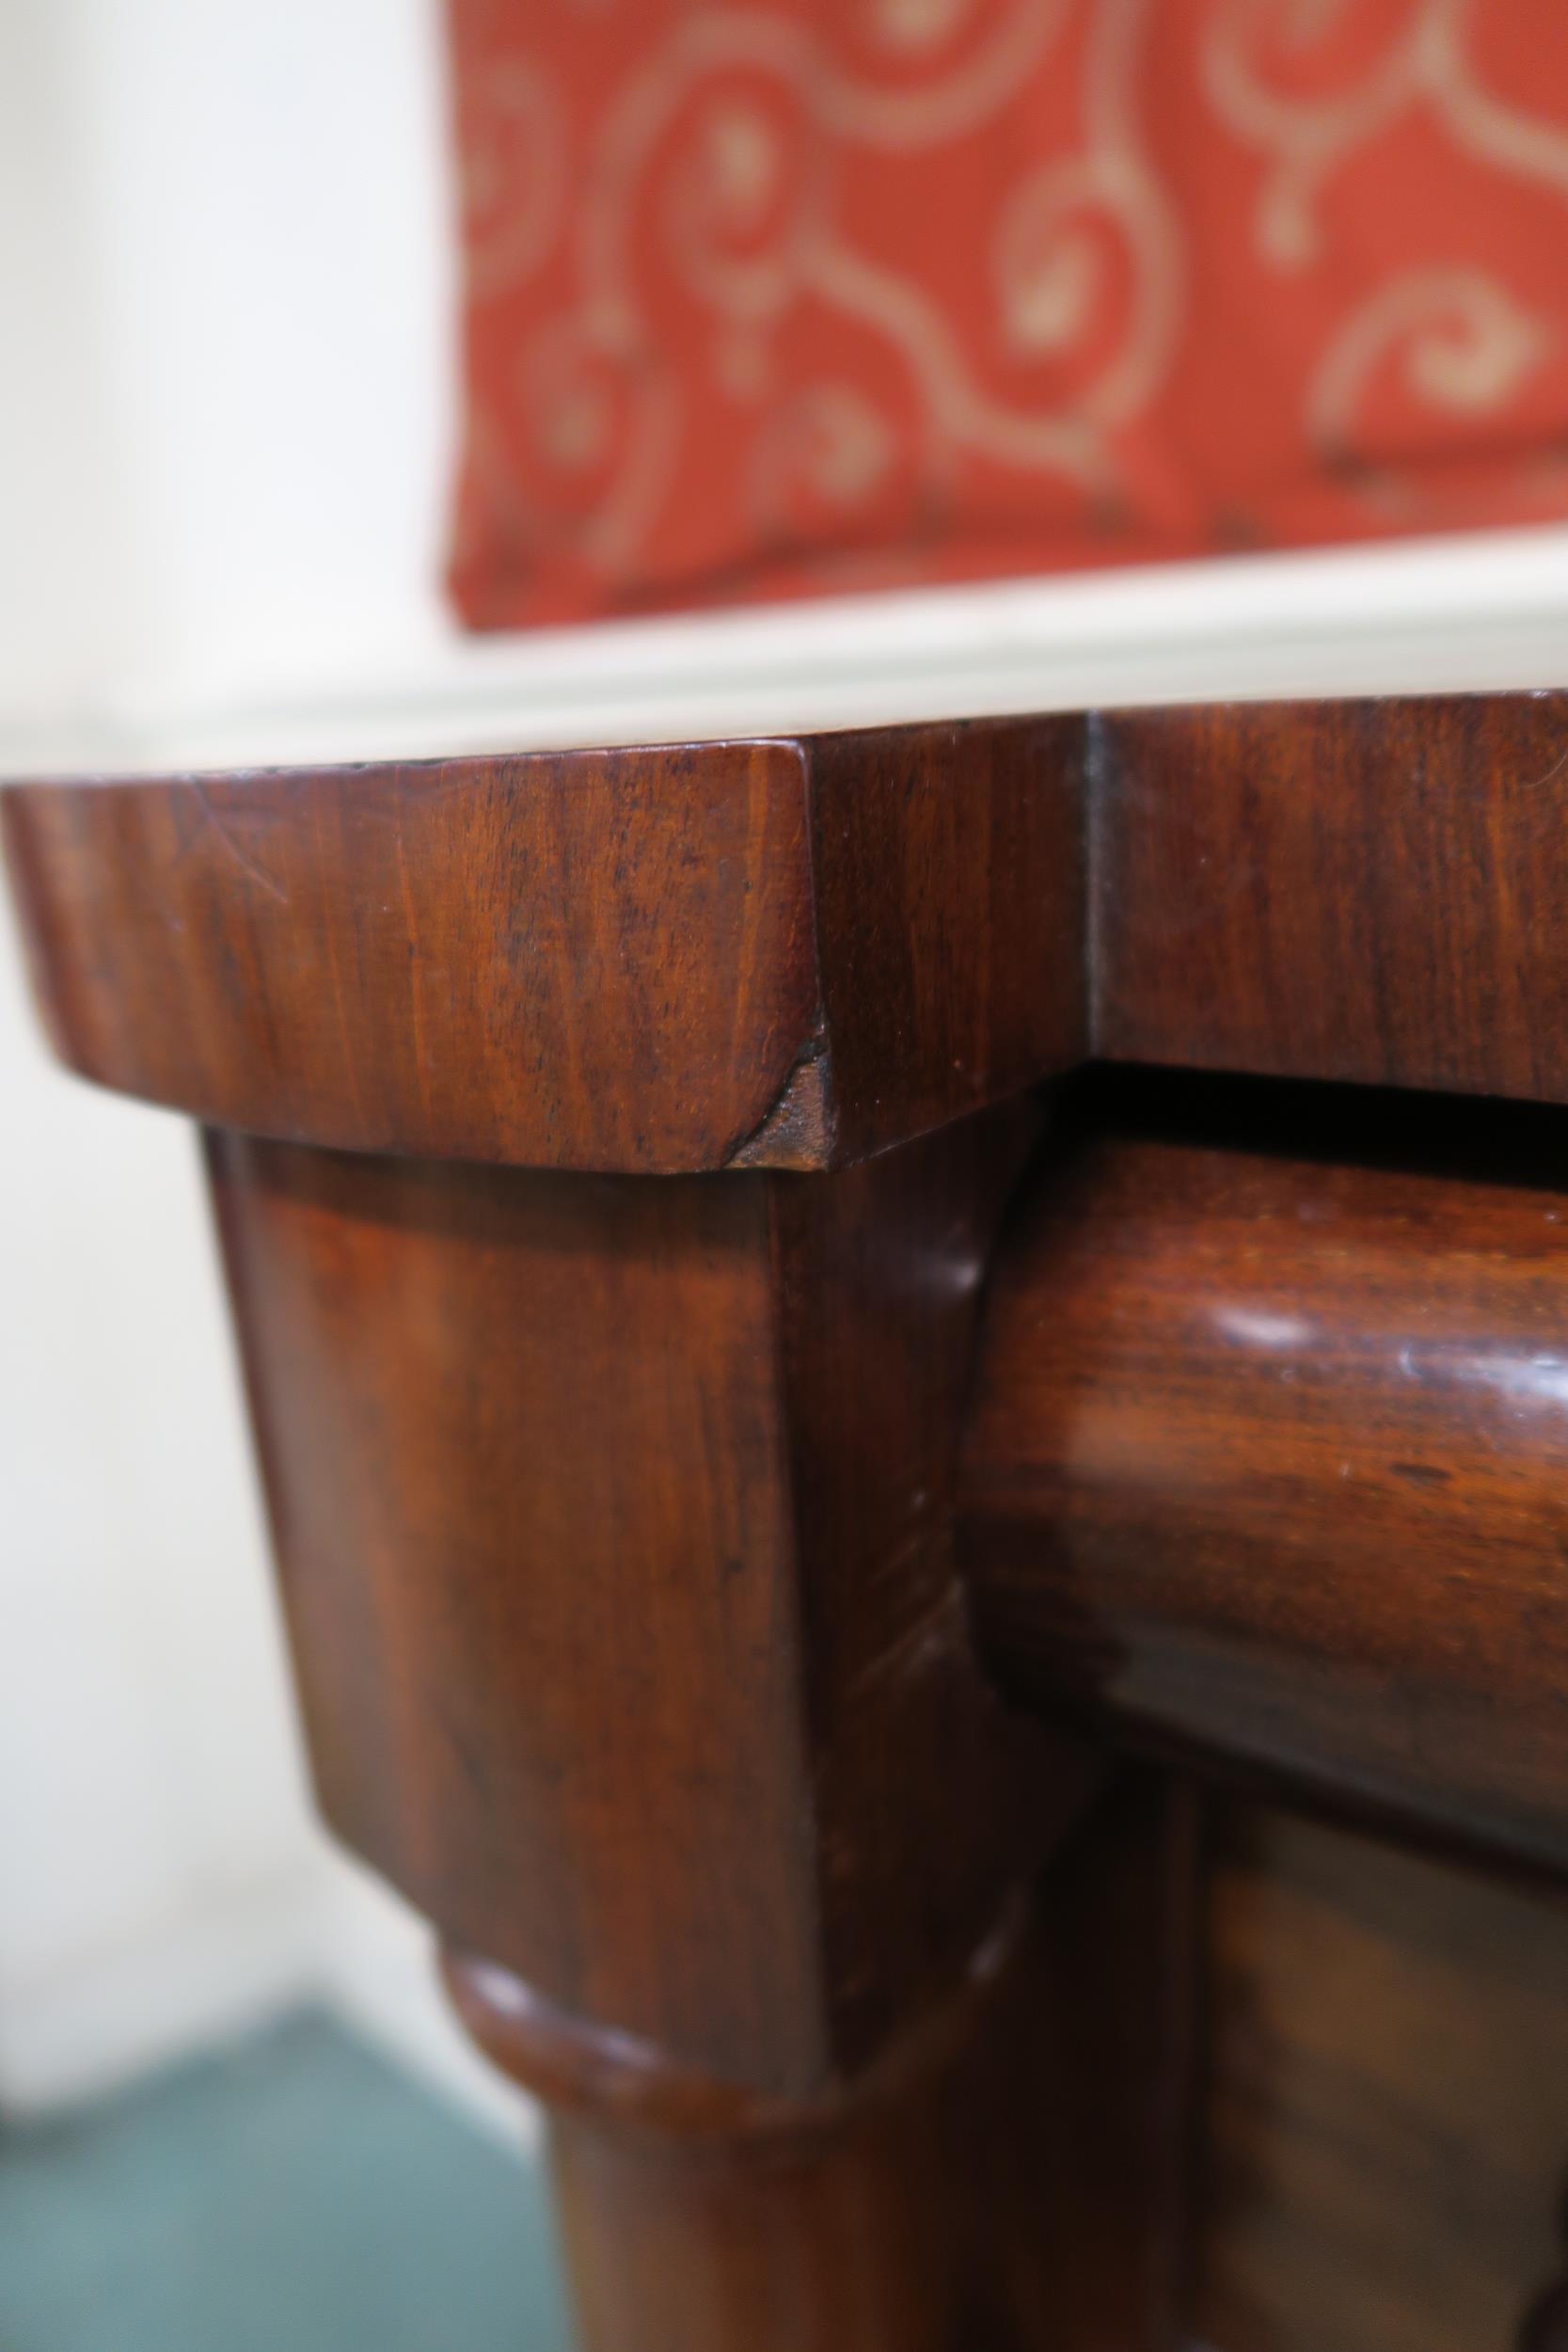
<point x="608" y="1152"/>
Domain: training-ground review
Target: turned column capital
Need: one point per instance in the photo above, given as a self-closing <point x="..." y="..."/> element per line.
<point x="577" y="2066"/>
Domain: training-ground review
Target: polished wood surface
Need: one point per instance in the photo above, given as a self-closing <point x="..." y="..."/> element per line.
<point x="615" y="1516"/>
<point x="782" y="954"/>
<point x="615" y="1528"/>
<point x="1270" y="1453"/>
<point x="895" y="2216"/>
<point x="492" y="960"/>
<point x="1364" y="890"/>
<point x="1119" y="2020"/>
<point x="610" y="1151"/>
<point x="791" y="953"/>
<point x="1386" y="2144"/>
<point x="1016" y="2170"/>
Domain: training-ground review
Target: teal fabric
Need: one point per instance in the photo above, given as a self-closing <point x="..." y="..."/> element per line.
<point x="294" y="2195"/>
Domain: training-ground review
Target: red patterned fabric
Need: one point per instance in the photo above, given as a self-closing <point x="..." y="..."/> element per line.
<point x="765" y="299"/>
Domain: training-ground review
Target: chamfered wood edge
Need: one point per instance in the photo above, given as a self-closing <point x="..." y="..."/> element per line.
<point x="513" y="960"/>
<point x="629" y="962"/>
<point x="897" y="925"/>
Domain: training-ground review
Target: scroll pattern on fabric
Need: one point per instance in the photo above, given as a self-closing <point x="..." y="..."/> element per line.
<point x="837" y="295"/>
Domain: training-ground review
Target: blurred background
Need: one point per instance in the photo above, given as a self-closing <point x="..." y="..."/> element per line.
<point x="226" y="397"/>
<point x="255" y="416"/>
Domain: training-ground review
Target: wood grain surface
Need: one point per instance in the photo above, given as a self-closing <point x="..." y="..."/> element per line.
<point x="1015" y="2170"/>
<point x="1387" y="2106"/>
<point x="652" y="962"/>
<point x="615" y="1524"/>
<point x="1270" y="1451"/>
<point x="660" y="1561"/>
<point x="792" y="953"/>
<point x="1364" y="890"/>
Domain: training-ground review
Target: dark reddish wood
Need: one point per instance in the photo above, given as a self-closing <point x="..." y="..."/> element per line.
<point x="950" y="919"/>
<point x="617" y="1517"/>
<point x="1012" y="2173"/>
<point x="1270" y="1454"/>
<point x="614" y="1527"/>
<point x="893" y="2217"/>
<point x="776" y="953"/>
<point x="789" y="953"/>
<point x="497" y="959"/>
<point x="1367" y="890"/>
<point x="1117" y="2019"/>
<point x="1386" y="2102"/>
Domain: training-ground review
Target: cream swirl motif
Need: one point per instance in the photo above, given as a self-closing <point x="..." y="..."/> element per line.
<point x="1460" y="341"/>
<point x="713" y="181"/>
<point x="763" y="287"/>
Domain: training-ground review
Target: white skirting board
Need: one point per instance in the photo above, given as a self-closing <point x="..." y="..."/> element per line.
<point x="1480" y="611"/>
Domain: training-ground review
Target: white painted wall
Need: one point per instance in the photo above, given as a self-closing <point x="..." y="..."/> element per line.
<point x="225" y="413"/>
<point x="224" y="403"/>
